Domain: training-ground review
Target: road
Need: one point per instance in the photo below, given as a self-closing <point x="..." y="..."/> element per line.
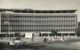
<point x="70" y="44"/>
<point x="47" y="46"/>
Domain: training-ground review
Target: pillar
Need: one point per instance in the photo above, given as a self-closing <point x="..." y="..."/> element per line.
<point x="61" y="34"/>
<point x="75" y="35"/>
<point x="48" y="34"/>
<point x="13" y="35"/>
<point x="6" y="35"/>
<point x="69" y="35"/>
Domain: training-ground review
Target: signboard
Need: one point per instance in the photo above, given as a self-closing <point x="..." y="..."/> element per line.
<point x="28" y="35"/>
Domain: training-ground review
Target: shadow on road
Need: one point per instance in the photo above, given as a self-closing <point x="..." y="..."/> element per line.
<point x="43" y="46"/>
<point x="57" y="48"/>
<point x="33" y="47"/>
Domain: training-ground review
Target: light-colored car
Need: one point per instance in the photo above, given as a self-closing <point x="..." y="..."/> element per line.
<point x="16" y="42"/>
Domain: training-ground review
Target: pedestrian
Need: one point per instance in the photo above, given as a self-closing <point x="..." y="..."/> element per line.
<point x="32" y="37"/>
<point x="62" y="39"/>
<point x="45" y="39"/>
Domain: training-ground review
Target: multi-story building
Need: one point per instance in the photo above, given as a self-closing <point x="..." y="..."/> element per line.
<point x="29" y="20"/>
<point x="78" y="29"/>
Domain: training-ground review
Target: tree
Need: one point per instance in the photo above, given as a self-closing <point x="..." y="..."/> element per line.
<point x="78" y="31"/>
<point x="54" y="32"/>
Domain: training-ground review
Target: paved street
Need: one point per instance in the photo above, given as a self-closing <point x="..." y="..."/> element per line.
<point x="47" y="46"/>
<point x="69" y="44"/>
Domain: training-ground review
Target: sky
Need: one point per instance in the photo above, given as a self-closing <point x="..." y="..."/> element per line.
<point x="42" y="5"/>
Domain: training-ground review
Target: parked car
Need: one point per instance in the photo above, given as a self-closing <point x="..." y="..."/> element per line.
<point x="2" y="46"/>
<point x="16" y="42"/>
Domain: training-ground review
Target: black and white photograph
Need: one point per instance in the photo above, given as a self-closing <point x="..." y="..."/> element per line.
<point x="39" y="24"/>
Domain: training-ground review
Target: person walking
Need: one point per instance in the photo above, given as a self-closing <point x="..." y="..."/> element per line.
<point x="45" y="39"/>
<point x="32" y="37"/>
<point x="62" y="39"/>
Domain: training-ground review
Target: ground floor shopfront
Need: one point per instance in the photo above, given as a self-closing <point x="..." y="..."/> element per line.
<point x="35" y="34"/>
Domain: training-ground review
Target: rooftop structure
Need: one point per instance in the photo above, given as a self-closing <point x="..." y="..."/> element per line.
<point x="37" y="11"/>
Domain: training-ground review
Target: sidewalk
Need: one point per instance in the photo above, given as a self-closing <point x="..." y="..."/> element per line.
<point x="41" y="39"/>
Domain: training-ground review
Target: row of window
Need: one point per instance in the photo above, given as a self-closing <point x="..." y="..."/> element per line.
<point x="38" y="20"/>
<point x="45" y="27"/>
<point x="49" y="23"/>
<point x="36" y="30"/>
<point x="41" y="21"/>
<point x="9" y="35"/>
<point x="37" y="16"/>
<point x="24" y="28"/>
<point x="38" y="25"/>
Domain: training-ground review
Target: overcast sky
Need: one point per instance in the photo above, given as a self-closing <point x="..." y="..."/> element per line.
<point x="42" y="4"/>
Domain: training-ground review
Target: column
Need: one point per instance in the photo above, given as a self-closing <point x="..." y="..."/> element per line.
<point x="14" y="35"/>
<point x="6" y="35"/>
<point x="0" y="22"/>
<point x="48" y="34"/>
<point x="69" y="35"/>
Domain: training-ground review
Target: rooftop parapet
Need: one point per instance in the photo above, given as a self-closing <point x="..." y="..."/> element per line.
<point x="38" y="11"/>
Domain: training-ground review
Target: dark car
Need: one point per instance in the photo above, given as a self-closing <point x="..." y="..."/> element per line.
<point x="2" y="46"/>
